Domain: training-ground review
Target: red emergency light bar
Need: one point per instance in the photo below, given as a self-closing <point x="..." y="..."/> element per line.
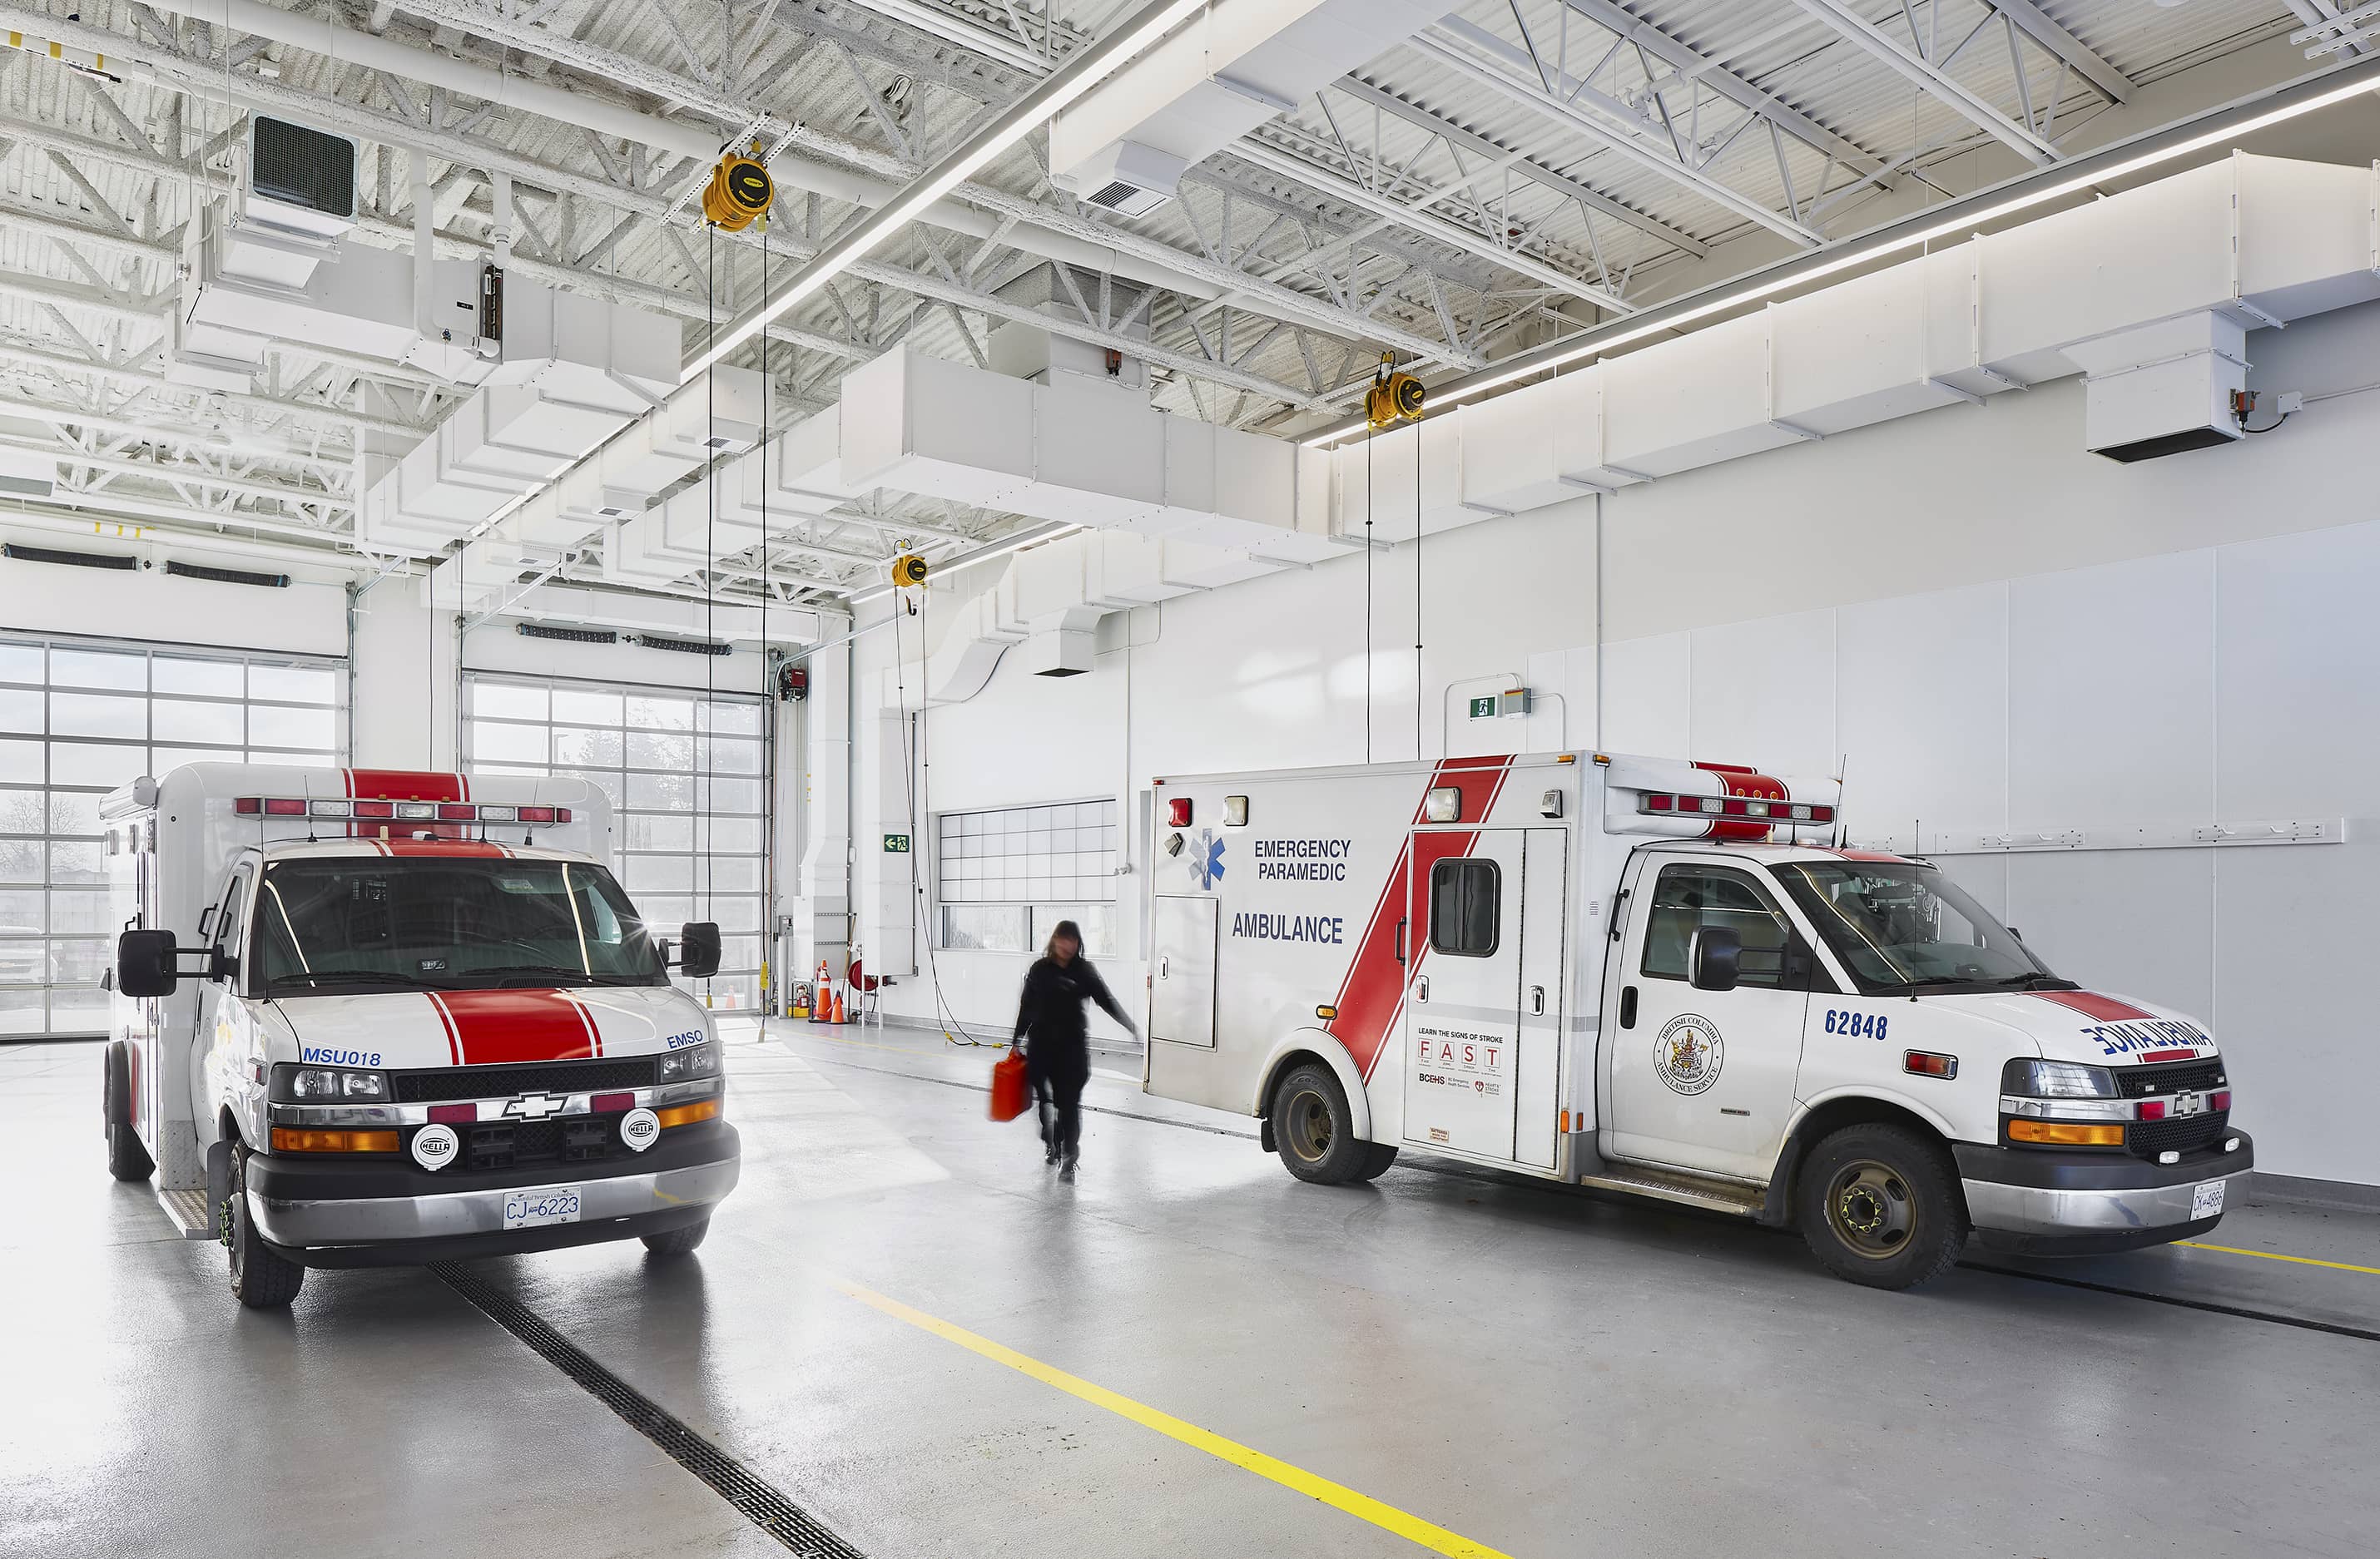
<point x="1792" y="814"/>
<point x="442" y="811"/>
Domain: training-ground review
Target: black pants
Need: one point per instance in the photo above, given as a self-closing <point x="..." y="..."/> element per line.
<point x="1061" y="1104"/>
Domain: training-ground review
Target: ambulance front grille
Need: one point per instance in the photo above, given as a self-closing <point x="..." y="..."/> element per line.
<point x="586" y="1139"/>
<point x="2139" y="1082"/>
<point x="445" y="1083"/>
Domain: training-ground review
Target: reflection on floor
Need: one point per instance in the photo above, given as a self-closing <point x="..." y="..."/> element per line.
<point x="1543" y="1372"/>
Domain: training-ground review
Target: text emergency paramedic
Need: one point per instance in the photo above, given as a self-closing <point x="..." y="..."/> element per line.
<point x="1302" y="860"/>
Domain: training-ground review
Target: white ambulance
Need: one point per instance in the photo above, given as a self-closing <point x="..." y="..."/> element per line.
<point x="1654" y="976"/>
<point x="369" y="1016"/>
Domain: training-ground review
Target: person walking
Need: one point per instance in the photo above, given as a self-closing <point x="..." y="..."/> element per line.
<point x="1049" y="1023"/>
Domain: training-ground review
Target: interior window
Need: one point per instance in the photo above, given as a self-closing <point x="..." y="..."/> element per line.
<point x="1465" y="901"/>
<point x="1688" y="897"/>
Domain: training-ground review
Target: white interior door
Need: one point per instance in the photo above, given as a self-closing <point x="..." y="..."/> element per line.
<point x="1462" y="990"/>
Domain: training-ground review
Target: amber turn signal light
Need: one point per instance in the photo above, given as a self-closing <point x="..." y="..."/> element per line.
<point x="291" y="1138"/>
<point x="2066" y="1133"/>
<point x="687" y="1115"/>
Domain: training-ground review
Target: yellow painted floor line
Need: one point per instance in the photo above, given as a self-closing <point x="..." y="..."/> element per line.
<point x="2276" y="1256"/>
<point x="1388" y="1517"/>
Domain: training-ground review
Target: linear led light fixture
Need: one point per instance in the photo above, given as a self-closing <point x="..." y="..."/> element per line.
<point x="1078" y="76"/>
<point x="2118" y="161"/>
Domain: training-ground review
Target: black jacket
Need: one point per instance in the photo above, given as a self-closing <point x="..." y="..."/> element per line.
<point x="1049" y="1018"/>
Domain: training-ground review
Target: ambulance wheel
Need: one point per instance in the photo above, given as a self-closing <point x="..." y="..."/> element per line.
<point x="1378" y="1159"/>
<point x="1314" y="1130"/>
<point x="126" y="1159"/>
<point x="675" y="1242"/>
<point x="1881" y="1205"/>
<point x="260" y="1277"/>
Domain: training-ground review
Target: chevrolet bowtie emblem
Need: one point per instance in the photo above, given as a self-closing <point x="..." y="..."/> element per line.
<point x="533" y="1106"/>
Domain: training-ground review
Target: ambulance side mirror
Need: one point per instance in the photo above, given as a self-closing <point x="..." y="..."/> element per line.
<point x="1714" y="958"/>
<point x="699" y="949"/>
<point x="145" y="965"/>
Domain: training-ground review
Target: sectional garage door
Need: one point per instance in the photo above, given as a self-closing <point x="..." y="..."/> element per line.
<point x="686" y="773"/>
<point x="78" y="719"/>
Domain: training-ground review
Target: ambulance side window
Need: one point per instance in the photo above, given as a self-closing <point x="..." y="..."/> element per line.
<point x="1689" y="897"/>
<point x="1466" y="900"/>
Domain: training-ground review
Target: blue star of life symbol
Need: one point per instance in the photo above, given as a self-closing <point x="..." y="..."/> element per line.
<point x="1208" y="864"/>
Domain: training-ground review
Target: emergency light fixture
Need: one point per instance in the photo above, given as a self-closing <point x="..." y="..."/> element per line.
<point x="1792" y="814"/>
<point x="1443" y="804"/>
<point x="1177" y="812"/>
<point x="442" y="811"/>
<point x="1235" y="812"/>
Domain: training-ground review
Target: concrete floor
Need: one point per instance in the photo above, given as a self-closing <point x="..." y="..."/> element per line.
<point x="1543" y="1372"/>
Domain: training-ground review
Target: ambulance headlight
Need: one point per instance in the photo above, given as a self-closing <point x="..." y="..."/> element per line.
<point x="2057" y="1080"/>
<point x="694" y="1060"/>
<point x="324" y="1085"/>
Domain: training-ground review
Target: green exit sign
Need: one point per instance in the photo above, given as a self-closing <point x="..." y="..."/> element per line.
<point x="1484" y="708"/>
<point x="896" y="844"/>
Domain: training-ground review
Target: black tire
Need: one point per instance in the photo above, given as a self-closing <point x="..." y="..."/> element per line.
<point x="127" y="1158"/>
<point x="1378" y="1159"/>
<point x="261" y="1278"/>
<point x="1314" y="1130"/>
<point x="670" y="1244"/>
<point x="1881" y="1205"/>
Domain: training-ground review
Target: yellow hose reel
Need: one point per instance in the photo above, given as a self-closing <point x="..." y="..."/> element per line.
<point x="739" y="192"/>
<point x="908" y="569"/>
<point x="1394" y="396"/>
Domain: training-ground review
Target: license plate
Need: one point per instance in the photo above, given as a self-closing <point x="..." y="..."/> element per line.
<point x="559" y="1205"/>
<point x="2205" y="1200"/>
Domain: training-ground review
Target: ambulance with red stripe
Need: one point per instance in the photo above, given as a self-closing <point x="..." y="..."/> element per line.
<point x="369" y="1017"/>
<point x="1660" y="978"/>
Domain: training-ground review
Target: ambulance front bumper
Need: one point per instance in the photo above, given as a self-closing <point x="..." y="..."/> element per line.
<point x="2043" y="1204"/>
<point x="382" y="1214"/>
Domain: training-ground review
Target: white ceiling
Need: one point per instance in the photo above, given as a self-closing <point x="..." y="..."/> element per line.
<point x="1647" y="148"/>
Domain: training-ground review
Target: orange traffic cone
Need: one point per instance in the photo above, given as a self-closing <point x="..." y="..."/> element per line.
<point x="838" y="1008"/>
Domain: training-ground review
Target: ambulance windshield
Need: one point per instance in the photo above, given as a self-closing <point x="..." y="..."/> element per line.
<point x="1902" y="925"/>
<point x="355" y="924"/>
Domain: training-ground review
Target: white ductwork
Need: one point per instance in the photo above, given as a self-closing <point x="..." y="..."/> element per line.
<point x="2150" y="292"/>
<point x="1080" y="451"/>
<point x="1127" y="140"/>
<point x="799" y="475"/>
<point x="575" y="370"/>
<point x="474" y="581"/>
<point x="273" y="262"/>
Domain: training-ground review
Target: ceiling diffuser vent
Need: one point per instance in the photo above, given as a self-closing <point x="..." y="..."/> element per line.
<point x="1127" y="199"/>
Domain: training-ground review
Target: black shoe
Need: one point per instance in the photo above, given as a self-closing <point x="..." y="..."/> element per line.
<point x="1052" y="1154"/>
<point x="1067" y="1171"/>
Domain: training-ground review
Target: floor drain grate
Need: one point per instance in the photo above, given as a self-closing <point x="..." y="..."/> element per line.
<point x="759" y="1501"/>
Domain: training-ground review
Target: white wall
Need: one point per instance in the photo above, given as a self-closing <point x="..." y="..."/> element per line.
<point x="1999" y="629"/>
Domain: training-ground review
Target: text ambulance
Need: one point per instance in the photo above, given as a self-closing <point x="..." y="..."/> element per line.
<point x="369" y="1017"/>
<point x="1651" y="976"/>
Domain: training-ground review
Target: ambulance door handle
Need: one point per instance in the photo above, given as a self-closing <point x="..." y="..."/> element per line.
<point x="1164" y="967"/>
<point x="1538" y="1000"/>
<point x="1627" y="1006"/>
<point x="1421" y="988"/>
<point x="1400" y="939"/>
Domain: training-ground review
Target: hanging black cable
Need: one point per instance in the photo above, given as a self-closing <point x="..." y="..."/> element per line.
<point x="697" y="858"/>
<point x="1367" y="600"/>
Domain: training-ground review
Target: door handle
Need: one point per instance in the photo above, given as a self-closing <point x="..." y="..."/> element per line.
<point x="1164" y="967"/>
<point x="1421" y="988"/>
<point x="1538" y="1000"/>
<point x="1400" y="939"/>
<point x="1627" y="1006"/>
